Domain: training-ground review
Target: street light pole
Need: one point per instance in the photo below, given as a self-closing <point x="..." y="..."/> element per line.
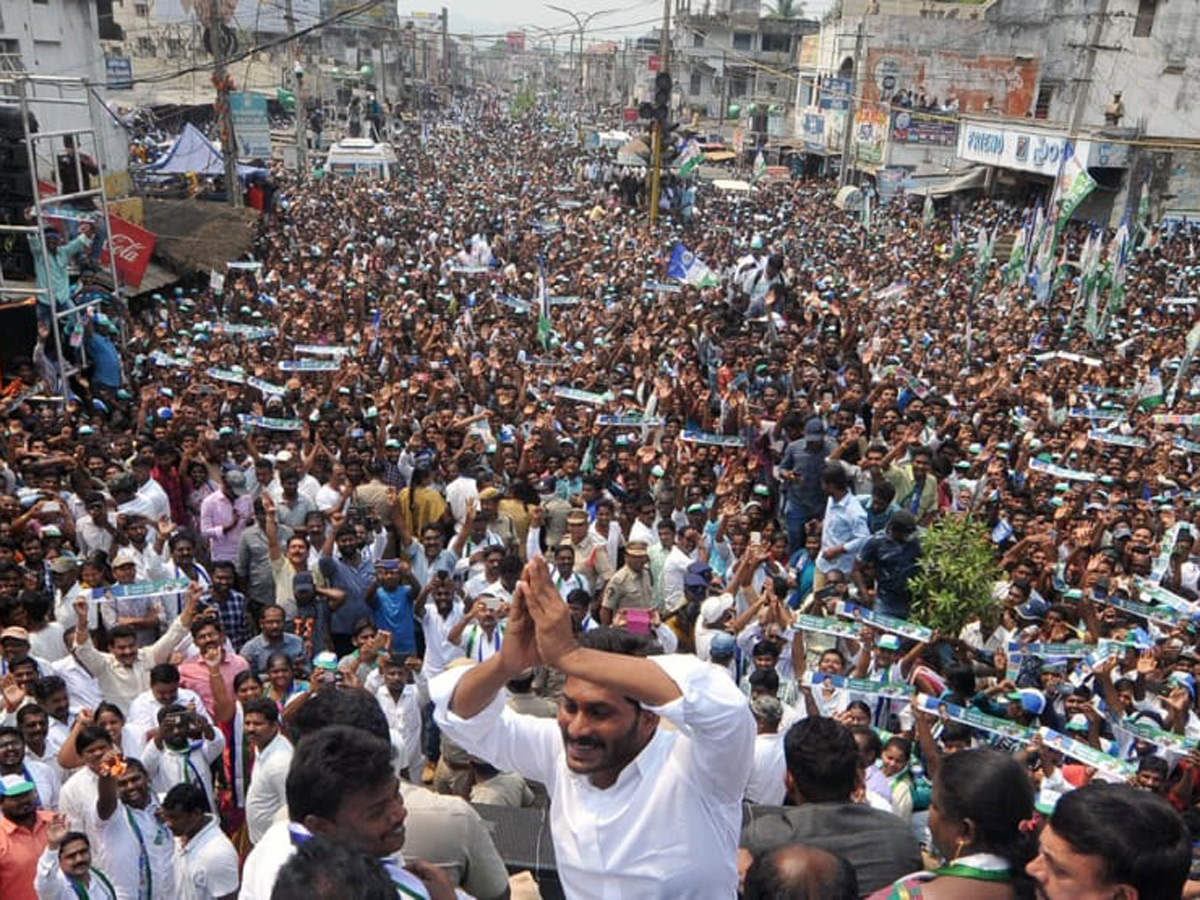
<point x="581" y="22"/>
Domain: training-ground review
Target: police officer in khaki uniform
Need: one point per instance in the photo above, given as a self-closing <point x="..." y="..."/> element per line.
<point x="591" y="551"/>
<point x="631" y="587"/>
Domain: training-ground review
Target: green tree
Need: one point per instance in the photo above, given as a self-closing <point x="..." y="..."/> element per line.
<point x="958" y="570"/>
<point x="786" y="9"/>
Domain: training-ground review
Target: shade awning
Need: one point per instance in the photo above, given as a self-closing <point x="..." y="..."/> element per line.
<point x="720" y="155"/>
<point x="946" y="185"/>
<point x="156" y="277"/>
<point x="731" y="185"/>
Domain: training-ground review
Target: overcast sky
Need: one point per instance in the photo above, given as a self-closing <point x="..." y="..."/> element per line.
<point x="629" y="18"/>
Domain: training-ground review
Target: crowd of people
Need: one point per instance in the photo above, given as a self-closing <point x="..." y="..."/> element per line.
<point x="448" y="497"/>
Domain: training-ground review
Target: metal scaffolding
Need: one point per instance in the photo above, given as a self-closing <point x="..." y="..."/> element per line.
<point x="28" y="92"/>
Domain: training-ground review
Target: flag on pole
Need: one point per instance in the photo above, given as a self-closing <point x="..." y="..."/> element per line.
<point x="1189" y="350"/>
<point x="689" y="157"/>
<point x="760" y="167"/>
<point x="1113" y="276"/>
<point x="686" y="267"/>
<point x="1072" y="187"/>
<point x="543" y="326"/>
<point x="957" y="248"/>
<point x="983" y="256"/>
<point x="1016" y="259"/>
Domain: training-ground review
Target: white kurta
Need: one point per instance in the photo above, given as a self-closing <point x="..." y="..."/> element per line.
<point x="673" y="815"/>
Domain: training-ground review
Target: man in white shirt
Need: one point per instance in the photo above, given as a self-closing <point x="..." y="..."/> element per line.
<point x="206" y="864"/>
<point x="618" y="783"/>
<point x="77" y="799"/>
<point x="125" y="672"/>
<point x="767" y="785"/>
<point x="164" y="691"/>
<point x="437" y="620"/>
<point x="272" y="756"/>
<point x="184" y="750"/>
<point x="341" y="784"/>
<point x="65" y="870"/>
<point x="397" y="696"/>
<point x="462" y="492"/>
<point x="129" y="843"/>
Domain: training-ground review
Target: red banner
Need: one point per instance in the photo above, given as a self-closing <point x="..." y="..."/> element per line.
<point x="133" y="246"/>
<point x="653" y="63"/>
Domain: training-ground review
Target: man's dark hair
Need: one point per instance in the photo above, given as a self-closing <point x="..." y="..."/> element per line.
<point x="164" y="673"/>
<point x="88" y="735"/>
<point x="26" y="712"/>
<point x="204" y="622"/>
<point x="264" y="706"/>
<point x="356" y="709"/>
<point x="73" y="837"/>
<point x="620" y="641"/>
<point x="322" y="868"/>
<point x="871" y="740"/>
<point x="22" y="662"/>
<point x="809" y="874"/>
<point x="1138" y="838"/>
<point x="188" y="798"/>
<point x="1154" y="764"/>
<point x="47" y="687"/>
<point x="224" y="565"/>
<point x="120" y="632"/>
<point x="332" y="763"/>
<point x="765" y="680"/>
<point x="835" y="476"/>
<point x="822" y="759"/>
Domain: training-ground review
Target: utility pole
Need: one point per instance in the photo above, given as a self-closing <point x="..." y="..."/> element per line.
<point x="445" y="77"/>
<point x="1084" y="85"/>
<point x="848" y="130"/>
<point x="664" y="65"/>
<point x="301" y="112"/>
<point x="216" y="33"/>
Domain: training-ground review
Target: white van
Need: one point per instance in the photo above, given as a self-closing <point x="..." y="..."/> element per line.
<point x="361" y="156"/>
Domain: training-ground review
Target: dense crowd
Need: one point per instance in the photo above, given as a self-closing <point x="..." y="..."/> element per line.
<point x="448" y="496"/>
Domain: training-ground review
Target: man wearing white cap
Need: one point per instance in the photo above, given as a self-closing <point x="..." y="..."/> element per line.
<point x="139" y="613"/>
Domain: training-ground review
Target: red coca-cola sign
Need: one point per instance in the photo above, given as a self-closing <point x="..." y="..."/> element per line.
<point x="132" y="246"/>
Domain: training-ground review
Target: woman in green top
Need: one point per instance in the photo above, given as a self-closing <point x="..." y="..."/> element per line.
<point x="980" y="819"/>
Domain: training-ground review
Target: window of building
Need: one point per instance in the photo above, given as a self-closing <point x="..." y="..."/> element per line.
<point x="1145" y="18"/>
<point x="698" y="39"/>
<point x="141" y="10"/>
<point x="743" y="40"/>
<point x="777" y="43"/>
<point x="145" y="46"/>
<point x="695" y="84"/>
<point x="738" y="86"/>
<point x="1041" y="108"/>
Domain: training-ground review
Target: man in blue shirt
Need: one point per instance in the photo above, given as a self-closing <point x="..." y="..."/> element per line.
<point x="391" y="599"/>
<point x="893" y="557"/>
<point x="800" y="469"/>
<point x="844" y="530"/>
<point x="353" y="574"/>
